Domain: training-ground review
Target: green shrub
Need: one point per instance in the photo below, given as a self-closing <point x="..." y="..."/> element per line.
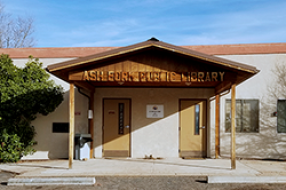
<point x="24" y="93"/>
<point x="12" y="149"/>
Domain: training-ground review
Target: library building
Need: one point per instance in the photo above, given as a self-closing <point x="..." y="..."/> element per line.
<point x="159" y="100"/>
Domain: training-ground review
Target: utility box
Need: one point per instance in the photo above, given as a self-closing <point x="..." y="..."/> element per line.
<point x="82" y="146"/>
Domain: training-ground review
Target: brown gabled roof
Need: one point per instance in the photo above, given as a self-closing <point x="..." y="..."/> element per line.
<point x="147" y="44"/>
<point x="240" y="49"/>
<point x="72" y="52"/>
<point x="55" y="52"/>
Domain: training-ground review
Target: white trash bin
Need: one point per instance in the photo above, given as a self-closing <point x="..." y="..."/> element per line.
<point x="82" y="146"/>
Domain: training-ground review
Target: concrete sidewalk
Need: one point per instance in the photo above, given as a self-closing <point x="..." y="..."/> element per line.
<point x="142" y="167"/>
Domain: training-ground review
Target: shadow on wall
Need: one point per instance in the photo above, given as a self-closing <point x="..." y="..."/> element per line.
<point x="267" y="143"/>
<point x="19" y="112"/>
<point x="52" y="145"/>
<point x="156" y="136"/>
<point x="55" y="145"/>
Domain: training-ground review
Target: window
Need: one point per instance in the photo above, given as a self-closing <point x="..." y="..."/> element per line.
<point x="197" y="119"/>
<point x="60" y="127"/>
<point x="281" y="116"/>
<point x="246" y="116"/>
<point x="121" y="119"/>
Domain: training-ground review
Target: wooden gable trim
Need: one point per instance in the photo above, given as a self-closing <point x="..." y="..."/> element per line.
<point x="51" y="68"/>
<point x="147" y="44"/>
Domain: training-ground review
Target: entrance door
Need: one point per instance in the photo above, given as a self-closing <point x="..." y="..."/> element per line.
<point x="193" y="128"/>
<point x="116" y="127"/>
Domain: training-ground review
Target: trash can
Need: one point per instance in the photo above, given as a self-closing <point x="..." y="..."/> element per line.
<point x="82" y="146"/>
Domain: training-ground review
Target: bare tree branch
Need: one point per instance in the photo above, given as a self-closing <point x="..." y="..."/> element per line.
<point x="15" y="33"/>
<point x="275" y="90"/>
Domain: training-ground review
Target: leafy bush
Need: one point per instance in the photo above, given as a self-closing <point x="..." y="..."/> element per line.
<point x="11" y="148"/>
<point x="24" y="93"/>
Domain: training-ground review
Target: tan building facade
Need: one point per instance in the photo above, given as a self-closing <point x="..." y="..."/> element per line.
<point x="154" y="98"/>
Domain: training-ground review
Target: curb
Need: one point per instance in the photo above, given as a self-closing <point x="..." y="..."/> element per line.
<point x="246" y="179"/>
<point x="11" y="172"/>
<point x="51" y="181"/>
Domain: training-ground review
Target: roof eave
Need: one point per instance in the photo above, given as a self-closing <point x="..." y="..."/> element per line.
<point x="147" y="44"/>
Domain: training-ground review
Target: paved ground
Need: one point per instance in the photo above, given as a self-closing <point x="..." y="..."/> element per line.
<point x="148" y="174"/>
<point x="135" y="167"/>
<point x="4" y="176"/>
<point x="149" y="183"/>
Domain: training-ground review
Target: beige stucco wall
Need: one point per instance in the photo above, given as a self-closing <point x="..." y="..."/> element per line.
<point x="55" y="145"/>
<point x="267" y="143"/>
<point x="159" y="137"/>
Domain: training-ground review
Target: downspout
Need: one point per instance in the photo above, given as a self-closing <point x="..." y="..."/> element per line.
<point x="213" y="98"/>
<point x="225" y="93"/>
<point x="87" y="103"/>
<point x="83" y="94"/>
<point x="90" y="117"/>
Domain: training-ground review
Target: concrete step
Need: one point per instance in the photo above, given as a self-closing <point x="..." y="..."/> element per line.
<point x="246" y="179"/>
<point x="51" y="181"/>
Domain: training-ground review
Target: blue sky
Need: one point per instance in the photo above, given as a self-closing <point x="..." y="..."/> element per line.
<point x="81" y="23"/>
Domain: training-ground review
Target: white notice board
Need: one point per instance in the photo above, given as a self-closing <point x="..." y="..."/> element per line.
<point x="154" y="111"/>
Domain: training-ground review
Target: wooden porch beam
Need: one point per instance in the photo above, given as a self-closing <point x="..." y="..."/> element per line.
<point x="225" y="85"/>
<point x="217" y="126"/>
<point x="85" y="85"/>
<point x="71" y="133"/>
<point x="233" y="114"/>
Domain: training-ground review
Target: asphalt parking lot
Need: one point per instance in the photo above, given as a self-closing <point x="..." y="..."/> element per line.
<point x="146" y="182"/>
<point x="4" y="176"/>
<point x="138" y="174"/>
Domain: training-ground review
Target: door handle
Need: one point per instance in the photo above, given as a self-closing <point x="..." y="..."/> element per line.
<point x="127" y="126"/>
<point x="203" y="127"/>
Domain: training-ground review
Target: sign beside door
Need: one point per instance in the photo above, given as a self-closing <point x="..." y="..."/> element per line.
<point x="155" y="111"/>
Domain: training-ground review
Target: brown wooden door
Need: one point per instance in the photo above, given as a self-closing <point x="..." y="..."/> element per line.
<point x="116" y="127"/>
<point x="193" y="128"/>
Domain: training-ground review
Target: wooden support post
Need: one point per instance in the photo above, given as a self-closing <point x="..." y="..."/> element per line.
<point x="71" y="134"/>
<point x="233" y="115"/>
<point x="91" y="131"/>
<point x="217" y="126"/>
